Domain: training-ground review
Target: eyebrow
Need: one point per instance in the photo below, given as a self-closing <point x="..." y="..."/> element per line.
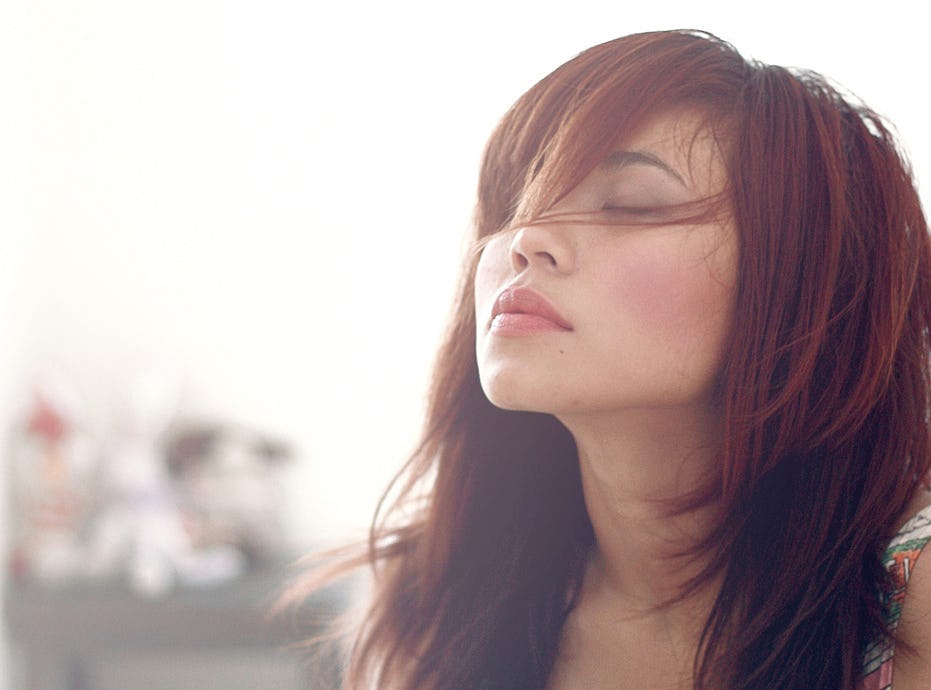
<point x="621" y="159"/>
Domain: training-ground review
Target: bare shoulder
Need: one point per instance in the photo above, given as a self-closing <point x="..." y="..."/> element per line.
<point x="912" y="665"/>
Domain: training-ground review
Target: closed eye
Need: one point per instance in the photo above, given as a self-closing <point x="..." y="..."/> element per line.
<point x="634" y="211"/>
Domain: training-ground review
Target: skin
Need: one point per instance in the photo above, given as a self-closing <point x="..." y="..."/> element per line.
<point x="650" y="305"/>
<point x="912" y="668"/>
<point x="650" y="308"/>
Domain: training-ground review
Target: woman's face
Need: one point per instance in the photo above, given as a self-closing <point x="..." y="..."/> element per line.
<point x="576" y="317"/>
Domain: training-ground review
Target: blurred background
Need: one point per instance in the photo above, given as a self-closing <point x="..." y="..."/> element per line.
<point x="229" y="238"/>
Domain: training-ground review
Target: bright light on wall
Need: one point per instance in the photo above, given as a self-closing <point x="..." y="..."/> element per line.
<point x="273" y="196"/>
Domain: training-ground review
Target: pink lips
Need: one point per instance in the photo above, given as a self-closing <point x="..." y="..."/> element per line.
<point x="521" y="311"/>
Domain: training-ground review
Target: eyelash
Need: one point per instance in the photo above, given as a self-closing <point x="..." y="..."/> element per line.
<point x="630" y="210"/>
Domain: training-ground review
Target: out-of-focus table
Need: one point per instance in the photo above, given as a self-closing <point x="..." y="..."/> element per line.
<point x="66" y="637"/>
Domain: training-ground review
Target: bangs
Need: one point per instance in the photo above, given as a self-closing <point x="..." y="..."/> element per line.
<point x="569" y="122"/>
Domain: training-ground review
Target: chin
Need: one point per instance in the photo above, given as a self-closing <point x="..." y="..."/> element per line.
<point x="508" y="393"/>
<point x="506" y="400"/>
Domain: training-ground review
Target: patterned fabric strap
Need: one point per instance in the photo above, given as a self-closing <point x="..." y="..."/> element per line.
<point x="900" y="558"/>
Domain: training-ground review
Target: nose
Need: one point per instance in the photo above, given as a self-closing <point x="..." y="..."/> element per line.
<point x="544" y="247"/>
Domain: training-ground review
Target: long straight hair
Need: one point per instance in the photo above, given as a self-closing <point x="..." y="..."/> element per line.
<point x="479" y="548"/>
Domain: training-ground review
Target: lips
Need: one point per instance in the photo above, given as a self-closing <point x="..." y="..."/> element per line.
<point x="523" y="310"/>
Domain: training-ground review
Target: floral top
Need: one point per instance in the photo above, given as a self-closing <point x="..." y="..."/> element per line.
<point x="900" y="558"/>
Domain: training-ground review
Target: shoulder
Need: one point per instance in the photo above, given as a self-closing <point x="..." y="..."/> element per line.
<point x="912" y="665"/>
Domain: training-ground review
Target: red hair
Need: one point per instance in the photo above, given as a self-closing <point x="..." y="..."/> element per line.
<point x="824" y="393"/>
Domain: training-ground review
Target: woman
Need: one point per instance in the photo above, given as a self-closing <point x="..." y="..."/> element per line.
<point x="682" y="408"/>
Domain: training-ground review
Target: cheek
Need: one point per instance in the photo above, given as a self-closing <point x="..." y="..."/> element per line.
<point x="648" y="288"/>
<point x="683" y="301"/>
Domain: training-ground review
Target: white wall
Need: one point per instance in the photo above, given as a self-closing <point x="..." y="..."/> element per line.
<point x="272" y="195"/>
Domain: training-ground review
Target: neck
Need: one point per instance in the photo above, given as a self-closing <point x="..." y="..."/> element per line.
<point x="639" y="471"/>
